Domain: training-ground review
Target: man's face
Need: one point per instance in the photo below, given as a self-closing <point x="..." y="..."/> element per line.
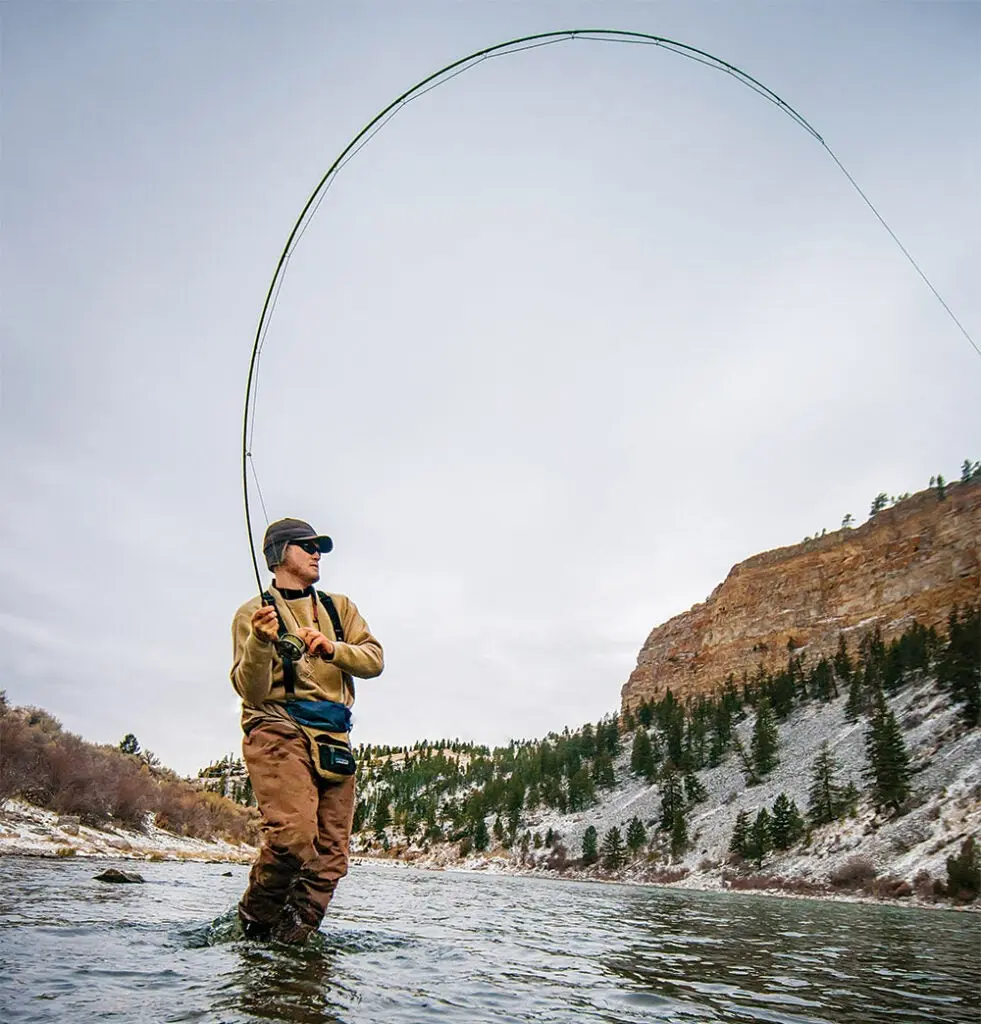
<point x="302" y="559"/>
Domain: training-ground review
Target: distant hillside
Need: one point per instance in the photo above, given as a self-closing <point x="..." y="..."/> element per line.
<point x="862" y="770"/>
<point x="915" y="560"/>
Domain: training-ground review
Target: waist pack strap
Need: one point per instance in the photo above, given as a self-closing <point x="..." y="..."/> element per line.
<point x="320" y="714"/>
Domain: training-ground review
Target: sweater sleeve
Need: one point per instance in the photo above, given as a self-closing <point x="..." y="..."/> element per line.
<point x="360" y="653"/>
<point x="252" y="664"/>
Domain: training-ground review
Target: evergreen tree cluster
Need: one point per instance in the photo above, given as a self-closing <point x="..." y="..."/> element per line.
<point x="779" y="828"/>
<point x="450" y="791"/>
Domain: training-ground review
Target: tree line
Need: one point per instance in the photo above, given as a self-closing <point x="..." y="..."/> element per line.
<point x="475" y="796"/>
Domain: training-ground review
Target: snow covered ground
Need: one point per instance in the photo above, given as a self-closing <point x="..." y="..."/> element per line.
<point x="32" y="831"/>
<point x="945" y="807"/>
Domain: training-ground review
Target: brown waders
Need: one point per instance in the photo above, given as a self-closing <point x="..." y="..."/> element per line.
<point x="306" y="830"/>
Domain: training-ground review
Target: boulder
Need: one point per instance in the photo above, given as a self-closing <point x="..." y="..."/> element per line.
<point x="115" y="875"/>
<point x="69" y="824"/>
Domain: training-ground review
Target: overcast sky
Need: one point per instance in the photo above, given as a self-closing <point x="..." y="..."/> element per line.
<point x="570" y="337"/>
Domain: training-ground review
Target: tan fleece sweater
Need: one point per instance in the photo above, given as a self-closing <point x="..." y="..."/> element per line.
<point x="257" y="672"/>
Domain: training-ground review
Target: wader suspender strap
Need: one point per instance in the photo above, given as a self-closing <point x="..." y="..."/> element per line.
<point x="335" y="620"/>
<point x="289" y="669"/>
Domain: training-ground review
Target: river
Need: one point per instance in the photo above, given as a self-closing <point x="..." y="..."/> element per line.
<point x="403" y="946"/>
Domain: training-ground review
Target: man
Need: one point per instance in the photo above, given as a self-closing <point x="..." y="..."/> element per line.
<point x="306" y="817"/>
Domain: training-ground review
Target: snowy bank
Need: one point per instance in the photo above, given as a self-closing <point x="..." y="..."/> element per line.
<point x="26" y="830"/>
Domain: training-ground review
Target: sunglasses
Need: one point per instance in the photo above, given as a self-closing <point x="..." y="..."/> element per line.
<point x="311" y="547"/>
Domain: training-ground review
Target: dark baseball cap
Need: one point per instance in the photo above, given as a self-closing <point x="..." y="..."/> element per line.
<point x="286" y="531"/>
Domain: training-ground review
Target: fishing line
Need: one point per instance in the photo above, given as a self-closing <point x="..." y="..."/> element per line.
<point x="441" y="77"/>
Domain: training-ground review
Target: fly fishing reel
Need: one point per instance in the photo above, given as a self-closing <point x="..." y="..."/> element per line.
<point x="290" y="647"/>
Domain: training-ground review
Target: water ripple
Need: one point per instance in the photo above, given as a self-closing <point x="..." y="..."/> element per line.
<point x="404" y="947"/>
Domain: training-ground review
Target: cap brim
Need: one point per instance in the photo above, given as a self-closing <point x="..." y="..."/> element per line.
<point x="323" y="542"/>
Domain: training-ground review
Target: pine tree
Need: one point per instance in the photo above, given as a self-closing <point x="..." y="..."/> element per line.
<point x="959" y="664"/>
<point x="824" y="796"/>
<point x="481" y="838"/>
<point x="382" y="817"/>
<point x="671" y="718"/>
<point x="589" y="841"/>
<point x="888" y="759"/>
<point x="129" y="744"/>
<point x="759" y="841"/>
<point x="855" y="705"/>
<point x="763" y="747"/>
<point x="739" y="843"/>
<point x="636" y="834"/>
<point x="722" y="716"/>
<point x="787" y="825"/>
<point x="822" y="682"/>
<point x="964" y="873"/>
<point x="679" y="835"/>
<point x="694" y="790"/>
<point x="642" y="756"/>
<point x="672" y="799"/>
<point x="603" y="771"/>
<point x="581" y="793"/>
<point x="613" y="851"/>
<point x="842" y="662"/>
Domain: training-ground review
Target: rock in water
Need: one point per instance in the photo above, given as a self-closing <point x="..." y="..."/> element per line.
<point x="115" y="875"/>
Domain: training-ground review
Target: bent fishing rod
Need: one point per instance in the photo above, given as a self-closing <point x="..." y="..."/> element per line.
<point x="441" y="77"/>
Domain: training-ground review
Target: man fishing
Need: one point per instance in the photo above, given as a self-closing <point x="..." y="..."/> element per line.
<point x="295" y="651"/>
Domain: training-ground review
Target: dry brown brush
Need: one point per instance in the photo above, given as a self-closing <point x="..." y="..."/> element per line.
<point x="59" y="771"/>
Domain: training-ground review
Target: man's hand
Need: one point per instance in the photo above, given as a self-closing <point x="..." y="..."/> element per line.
<point x="265" y="624"/>
<point x="317" y="644"/>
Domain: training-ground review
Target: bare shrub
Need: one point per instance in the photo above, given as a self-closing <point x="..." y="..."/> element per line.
<point x="890" y="888"/>
<point x="57" y="770"/>
<point x="923" y="885"/>
<point x="558" y="859"/>
<point x="803" y="886"/>
<point x="855" y="873"/>
<point x="667" y="875"/>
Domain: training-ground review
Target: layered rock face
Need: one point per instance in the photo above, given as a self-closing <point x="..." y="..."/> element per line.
<point x="915" y="560"/>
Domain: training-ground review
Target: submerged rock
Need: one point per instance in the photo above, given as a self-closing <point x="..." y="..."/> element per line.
<point x="115" y="875"/>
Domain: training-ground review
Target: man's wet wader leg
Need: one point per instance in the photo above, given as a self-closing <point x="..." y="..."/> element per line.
<point x="306" y="830"/>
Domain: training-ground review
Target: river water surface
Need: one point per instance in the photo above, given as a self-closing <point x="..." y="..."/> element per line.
<point x="411" y="946"/>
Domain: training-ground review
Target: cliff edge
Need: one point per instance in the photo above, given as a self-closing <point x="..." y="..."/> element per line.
<point x="915" y="560"/>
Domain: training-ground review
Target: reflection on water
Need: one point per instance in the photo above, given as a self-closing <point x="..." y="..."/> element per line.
<point x="282" y="984"/>
<point x="405" y="946"/>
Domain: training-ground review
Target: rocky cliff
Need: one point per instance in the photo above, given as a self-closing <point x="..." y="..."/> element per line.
<point x="915" y="560"/>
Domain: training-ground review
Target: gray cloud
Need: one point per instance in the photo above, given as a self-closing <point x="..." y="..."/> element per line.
<point x="569" y="338"/>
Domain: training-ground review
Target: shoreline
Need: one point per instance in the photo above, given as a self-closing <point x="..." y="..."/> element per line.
<point x="693" y="882"/>
<point x="29" y="831"/>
